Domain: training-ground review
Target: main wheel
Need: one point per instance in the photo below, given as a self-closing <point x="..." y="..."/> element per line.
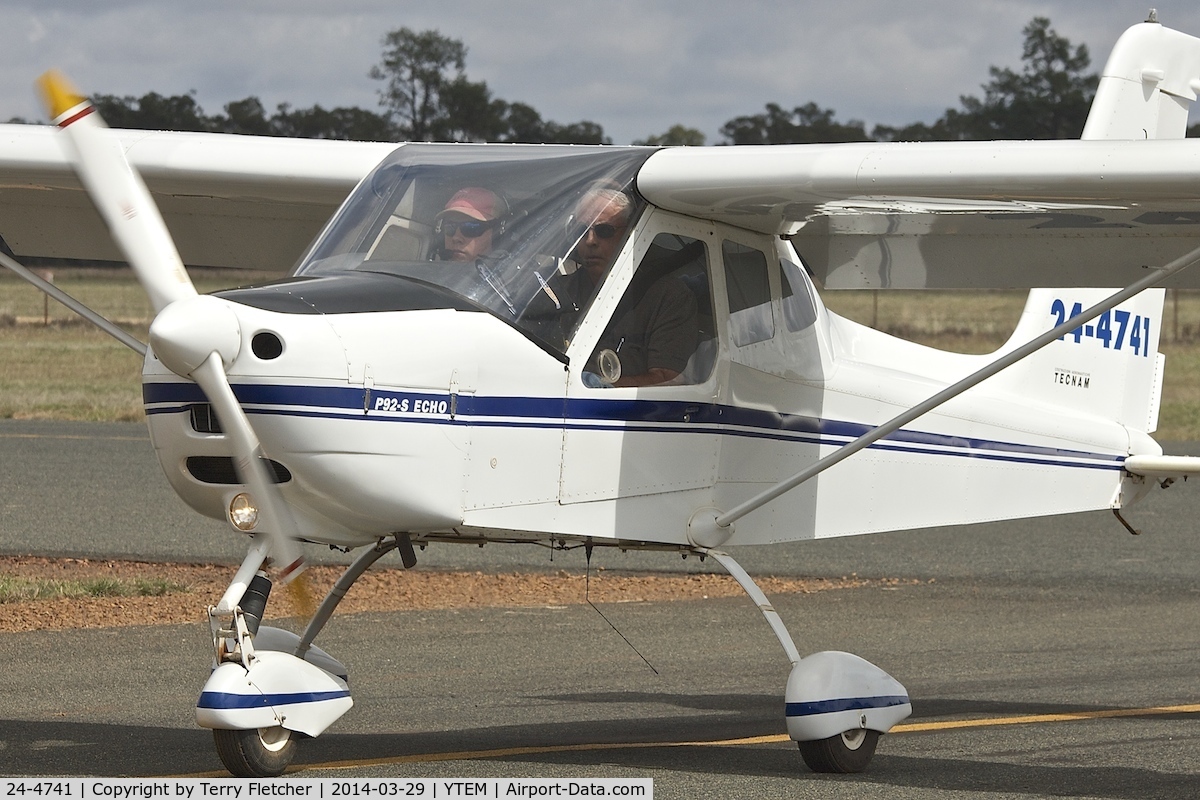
<point x="849" y="751"/>
<point x="259" y="753"/>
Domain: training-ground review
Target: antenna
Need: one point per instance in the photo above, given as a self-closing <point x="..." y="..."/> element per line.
<point x="587" y="586"/>
<point x="1153" y="16"/>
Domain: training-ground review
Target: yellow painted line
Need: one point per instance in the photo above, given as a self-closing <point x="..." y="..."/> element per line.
<point x="1033" y="719"/>
<point x="916" y="727"/>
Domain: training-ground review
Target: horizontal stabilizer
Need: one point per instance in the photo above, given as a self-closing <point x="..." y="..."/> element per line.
<point x="1163" y="466"/>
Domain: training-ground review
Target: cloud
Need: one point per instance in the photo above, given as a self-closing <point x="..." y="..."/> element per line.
<point x="634" y="67"/>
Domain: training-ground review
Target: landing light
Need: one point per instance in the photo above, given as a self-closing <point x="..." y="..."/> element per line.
<point x="243" y="513"/>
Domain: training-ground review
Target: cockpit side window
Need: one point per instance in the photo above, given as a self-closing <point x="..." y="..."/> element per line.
<point x="662" y="332"/>
<point x="403" y="237"/>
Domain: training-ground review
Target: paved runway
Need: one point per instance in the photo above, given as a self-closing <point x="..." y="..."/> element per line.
<point x="1050" y="658"/>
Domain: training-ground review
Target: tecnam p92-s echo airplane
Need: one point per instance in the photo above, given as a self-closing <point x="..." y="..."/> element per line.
<point x="639" y="357"/>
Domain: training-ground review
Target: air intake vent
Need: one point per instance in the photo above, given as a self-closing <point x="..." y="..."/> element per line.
<point x="219" y="470"/>
<point x="266" y="345"/>
<point x="204" y="420"/>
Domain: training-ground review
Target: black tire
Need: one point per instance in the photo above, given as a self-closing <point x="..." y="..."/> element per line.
<point x="260" y="753"/>
<point x="850" y="751"/>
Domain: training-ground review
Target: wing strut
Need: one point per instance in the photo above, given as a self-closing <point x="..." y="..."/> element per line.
<point x="79" y="308"/>
<point x="1156" y="276"/>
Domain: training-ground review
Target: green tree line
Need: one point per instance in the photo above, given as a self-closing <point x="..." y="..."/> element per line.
<point x="1048" y="99"/>
<point x="425" y="95"/>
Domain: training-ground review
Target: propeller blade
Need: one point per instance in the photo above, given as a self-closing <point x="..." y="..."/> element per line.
<point x="118" y="194"/>
<point x="194" y="336"/>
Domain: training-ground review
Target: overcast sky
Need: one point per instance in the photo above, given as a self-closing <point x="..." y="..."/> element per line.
<point x="634" y="67"/>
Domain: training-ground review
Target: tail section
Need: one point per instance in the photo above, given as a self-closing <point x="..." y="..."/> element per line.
<point x="1108" y="368"/>
<point x="1111" y="367"/>
<point x="1147" y="86"/>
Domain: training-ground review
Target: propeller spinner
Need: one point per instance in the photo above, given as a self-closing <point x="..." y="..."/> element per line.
<point x="195" y="336"/>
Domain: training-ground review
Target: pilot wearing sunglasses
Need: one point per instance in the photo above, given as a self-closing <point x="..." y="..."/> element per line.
<point x="654" y="335"/>
<point x="609" y="211"/>
<point x="467" y="223"/>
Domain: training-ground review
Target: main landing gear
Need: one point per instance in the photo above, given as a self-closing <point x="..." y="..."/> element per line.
<point x="837" y="704"/>
<point x="270" y="687"/>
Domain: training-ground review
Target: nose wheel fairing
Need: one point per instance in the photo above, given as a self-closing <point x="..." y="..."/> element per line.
<point x="278" y="690"/>
<point x="257" y="687"/>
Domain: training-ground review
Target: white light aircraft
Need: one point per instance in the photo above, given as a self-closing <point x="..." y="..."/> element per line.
<point x="385" y="395"/>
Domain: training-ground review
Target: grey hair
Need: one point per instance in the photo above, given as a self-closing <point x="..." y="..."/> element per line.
<point x="605" y="197"/>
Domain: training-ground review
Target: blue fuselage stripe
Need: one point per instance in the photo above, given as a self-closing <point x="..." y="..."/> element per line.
<point x="226" y="701"/>
<point x="626" y="414"/>
<point x="844" y="704"/>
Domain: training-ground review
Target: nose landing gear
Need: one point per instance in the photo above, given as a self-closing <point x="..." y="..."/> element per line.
<point x="270" y="687"/>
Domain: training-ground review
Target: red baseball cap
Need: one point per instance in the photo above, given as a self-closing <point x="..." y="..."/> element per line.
<point x="474" y="202"/>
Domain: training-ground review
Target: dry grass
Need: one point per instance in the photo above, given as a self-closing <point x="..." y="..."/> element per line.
<point x="24" y="590"/>
<point x="68" y="372"/>
<point x="53" y="365"/>
<point x="969" y="322"/>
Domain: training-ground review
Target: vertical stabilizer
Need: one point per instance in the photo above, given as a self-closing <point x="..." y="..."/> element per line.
<point x="1109" y="368"/>
<point x="1147" y="87"/>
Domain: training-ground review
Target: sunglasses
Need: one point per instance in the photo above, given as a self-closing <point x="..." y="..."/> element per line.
<point x="471" y="228"/>
<point x="602" y="231"/>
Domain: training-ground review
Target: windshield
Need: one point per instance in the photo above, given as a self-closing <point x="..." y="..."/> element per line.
<point x="497" y="225"/>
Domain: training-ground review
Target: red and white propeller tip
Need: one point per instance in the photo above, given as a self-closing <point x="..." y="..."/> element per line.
<point x="118" y="193"/>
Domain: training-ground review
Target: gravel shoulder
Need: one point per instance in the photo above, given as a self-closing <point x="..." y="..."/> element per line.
<point x="385" y="589"/>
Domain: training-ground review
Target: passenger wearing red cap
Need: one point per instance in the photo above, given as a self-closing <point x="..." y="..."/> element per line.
<point x="467" y="222"/>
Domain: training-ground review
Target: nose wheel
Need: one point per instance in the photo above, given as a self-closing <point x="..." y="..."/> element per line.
<point x="257" y="753"/>
<point x="849" y="751"/>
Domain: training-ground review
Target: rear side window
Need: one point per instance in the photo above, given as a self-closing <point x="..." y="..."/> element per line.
<point x="799" y="311"/>
<point x="748" y="284"/>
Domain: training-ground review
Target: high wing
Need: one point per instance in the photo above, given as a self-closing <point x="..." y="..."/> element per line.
<point x="951" y="214"/>
<point x="890" y="215"/>
<point x="230" y="201"/>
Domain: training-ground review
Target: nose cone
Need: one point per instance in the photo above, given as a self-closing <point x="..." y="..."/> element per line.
<point x="188" y="331"/>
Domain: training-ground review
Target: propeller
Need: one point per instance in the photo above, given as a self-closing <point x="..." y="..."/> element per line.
<point x="195" y="336"/>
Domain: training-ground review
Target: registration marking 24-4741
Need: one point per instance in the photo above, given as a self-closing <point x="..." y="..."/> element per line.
<point x="1114" y="329"/>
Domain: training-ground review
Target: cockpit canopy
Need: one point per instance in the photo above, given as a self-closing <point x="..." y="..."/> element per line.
<point x="402" y="217"/>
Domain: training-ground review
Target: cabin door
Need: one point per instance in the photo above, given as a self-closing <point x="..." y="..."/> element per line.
<point x="654" y="311"/>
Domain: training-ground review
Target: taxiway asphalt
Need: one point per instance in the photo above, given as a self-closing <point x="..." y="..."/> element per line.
<point x="1046" y="658"/>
